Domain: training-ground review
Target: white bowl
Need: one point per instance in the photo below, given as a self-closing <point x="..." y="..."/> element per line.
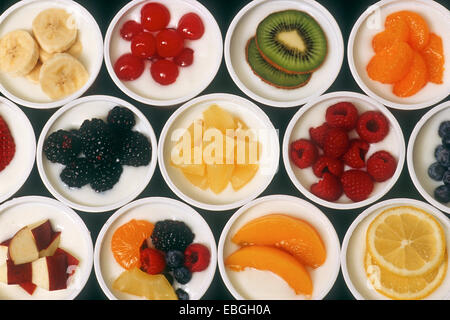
<point x="420" y="154"/>
<point x="192" y="80"/>
<point x="353" y="247"/>
<point x="313" y="115"/>
<point x="254" y="117"/>
<point x="243" y="27"/>
<point x="359" y="51"/>
<point x="20" y="16"/>
<point x="75" y="239"/>
<point x="261" y="287"/>
<point x="153" y="209"/>
<point x="133" y="179"/>
<point x="16" y="173"/>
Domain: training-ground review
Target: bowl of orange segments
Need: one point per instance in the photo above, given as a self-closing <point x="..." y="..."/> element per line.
<point x="398" y="249"/>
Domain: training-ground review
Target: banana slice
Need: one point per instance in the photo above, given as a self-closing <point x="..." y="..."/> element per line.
<point x="55" y="30"/>
<point x="18" y="53"/>
<point x="33" y="76"/>
<point x="62" y="75"/>
<point x="44" y="55"/>
<point x="76" y="49"/>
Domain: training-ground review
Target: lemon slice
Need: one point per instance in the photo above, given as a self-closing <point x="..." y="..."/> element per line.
<point x="406" y="240"/>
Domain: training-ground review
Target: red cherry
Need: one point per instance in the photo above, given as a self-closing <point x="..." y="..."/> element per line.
<point x="154" y="16"/>
<point x="185" y="58"/>
<point x="191" y="26"/>
<point x="129" y="67"/>
<point x="143" y="45"/>
<point x="164" y="72"/>
<point x="129" y="29"/>
<point x="169" y="43"/>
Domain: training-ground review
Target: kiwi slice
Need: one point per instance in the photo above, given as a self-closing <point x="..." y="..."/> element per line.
<point x="291" y="41"/>
<point x="269" y="73"/>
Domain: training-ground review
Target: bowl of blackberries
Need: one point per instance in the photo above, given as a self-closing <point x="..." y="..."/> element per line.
<point x="428" y="156"/>
<point x="97" y="153"/>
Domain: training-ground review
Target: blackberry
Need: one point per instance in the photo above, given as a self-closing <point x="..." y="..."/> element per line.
<point x="436" y="171"/>
<point x="62" y="146"/>
<point x="444" y="128"/>
<point x="97" y="141"/>
<point x="135" y="149"/>
<point x="442" y="193"/>
<point x="181" y="294"/>
<point x="182" y="275"/>
<point x="174" y="259"/>
<point x="121" y="118"/>
<point x="171" y="235"/>
<point x="77" y="173"/>
<point x="106" y="175"/>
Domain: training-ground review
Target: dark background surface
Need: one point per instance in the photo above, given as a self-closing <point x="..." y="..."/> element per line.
<point x="345" y="12"/>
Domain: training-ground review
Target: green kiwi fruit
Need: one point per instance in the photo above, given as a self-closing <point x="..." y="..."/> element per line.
<point x="269" y="73"/>
<point x="291" y="41"/>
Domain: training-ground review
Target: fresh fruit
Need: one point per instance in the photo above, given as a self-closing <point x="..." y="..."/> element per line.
<point x="164" y="72"/>
<point x="181" y="294"/>
<point x="355" y="156"/>
<point x="97" y="141"/>
<point x="171" y="235"/>
<point x="19" y="53"/>
<point x="381" y="166"/>
<point x="242" y="175"/>
<point x="442" y="155"/>
<point x="128" y="67"/>
<point x="62" y="147"/>
<point x="169" y="43"/>
<point x="318" y="134"/>
<point x="50" y="273"/>
<point x="336" y="143"/>
<point x="52" y="247"/>
<point x="219" y="175"/>
<point x="444" y="128"/>
<point x="442" y="193"/>
<point x="77" y="173"/>
<point x="433" y="54"/>
<point x="154" y="16"/>
<point x="106" y="175"/>
<point x="329" y="188"/>
<point x="143" y="45"/>
<point x="196" y="257"/>
<point x="303" y="153"/>
<point x="436" y="171"/>
<point x="126" y="242"/>
<point x="357" y="184"/>
<point x="34" y="74"/>
<point x="446" y="177"/>
<point x="414" y="80"/>
<point x="135" y="149"/>
<point x="174" y="259"/>
<point x="398" y="31"/>
<point x="372" y="126"/>
<point x="328" y="164"/>
<point x="182" y="275"/>
<point x="185" y="58"/>
<point x="15" y="274"/>
<point x="219" y="118"/>
<point x="191" y="26"/>
<point x="129" y="29"/>
<point x="7" y="145"/>
<point x="446" y="140"/>
<point x="23" y="247"/>
<point x="342" y="115"/>
<point x="121" y="118"/>
<point x="152" y="261"/>
<point x="418" y="34"/>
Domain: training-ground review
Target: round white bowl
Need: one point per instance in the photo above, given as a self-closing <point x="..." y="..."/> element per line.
<point x="420" y="154"/>
<point x="153" y="209"/>
<point x="75" y="239"/>
<point x="133" y="179"/>
<point x="313" y="115"/>
<point x="259" y="287"/>
<point x="229" y="199"/>
<point x="359" y="51"/>
<point x="20" y="16"/>
<point x="16" y="173"/>
<point x="243" y="27"/>
<point x="353" y="248"/>
<point x="192" y="80"/>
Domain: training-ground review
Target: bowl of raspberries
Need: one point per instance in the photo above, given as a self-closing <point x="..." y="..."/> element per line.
<point x="343" y="150"/>
<point x="97" y="153"/>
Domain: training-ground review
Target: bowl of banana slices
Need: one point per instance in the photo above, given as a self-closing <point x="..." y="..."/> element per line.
<point x="50" y="52"/>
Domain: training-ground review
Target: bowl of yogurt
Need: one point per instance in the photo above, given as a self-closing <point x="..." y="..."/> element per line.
<point x="75" y="239"/>
<point x="191" y="79"/>
<point x="84" y="60"/>
<point x="360" y="52"/>
<point x="19" y="167"/>
<point x="255" y="282"/>
<point x="84" y="198"/>
<point x="242" y="62"/>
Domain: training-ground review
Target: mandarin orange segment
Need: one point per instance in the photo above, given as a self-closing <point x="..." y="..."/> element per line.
<point x="414" y="80"/>
<point x="418" y="27"/>
<point x="127" y="241"/>
<point x="398" y="31"/>
<point x="433" y="55"/>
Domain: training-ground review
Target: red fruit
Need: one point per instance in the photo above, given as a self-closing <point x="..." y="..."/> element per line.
<point x="129" y="29"/>
<point x="329" y="188"/>
<point x="342" y="115"/>
<point x="154" y="16"/>
<point x="328" y="164"/>
<point x="164" y="72"/>
<point x="318" y="134"/>
<point x="129" y="67"/>
<point x="152" y="261"/>
<point x="372" y="126"/>
<point x="143" y="45"/>
<point x="196" y="257"/>
<point x="7" y="145"/>
<point x="335" y="143"/>
<point x="303" y="153"/>
<point x="185" y="58"/>
<point x="169" y="43"/>
<point x="355" y="156"/>
<point x="381" y="166"/>
<point x="191" y="26"/>
<point x="357" y="184"/>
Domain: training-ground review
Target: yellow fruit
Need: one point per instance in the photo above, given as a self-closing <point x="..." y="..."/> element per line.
<point x="216" y="117"/>
<point x="219" y="176"/>
<point x="196" y="180"/>
<point x="242" y="175"/>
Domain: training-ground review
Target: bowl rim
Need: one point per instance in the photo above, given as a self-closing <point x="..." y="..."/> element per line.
<point x="274" y="103"/>
<point x="74" y="104"/>
<point x="199" y="204"/>
<point x="334" y="205"/>
<point x="92" y="76"/>
<point x="275" y="197"/>
<point x="351" y="63"/>
<point x="148" y="201"/>
<point x="409" y="156"/>
<point x="157" y="102"/>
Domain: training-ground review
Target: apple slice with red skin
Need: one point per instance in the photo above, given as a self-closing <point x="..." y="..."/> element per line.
<point x="50" y="273"/>
<point x="3" y="253"/>
<point x="29" y="287"/>
<point x="22" y="248"/>
<point x="15" y="274"/>
<point x="52" y="247"/>
<point x="42" y="232"/>
<point x="72" y="262"/>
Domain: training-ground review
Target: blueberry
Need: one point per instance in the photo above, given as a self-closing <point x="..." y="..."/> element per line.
<point x="446" y="177"/>
<point x="442" y="193"/>
<point x="446" y="140"/>
<point x="174" y="259"/>
<point x="182" y="275"/>
<point x="444" y="128"/>
<point x="181" y="294"/>
<point x="169" y="277"/>
<point x="436" y="171"/>
<point x="442" y="155"/>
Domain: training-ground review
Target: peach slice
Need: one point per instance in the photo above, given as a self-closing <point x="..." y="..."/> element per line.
<point x="274" y="260"/>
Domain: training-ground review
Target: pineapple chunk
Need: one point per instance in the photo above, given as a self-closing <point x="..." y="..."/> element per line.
<point x="219" y="176"/>
<point x="242" y="175"/>
<point x="247" y="151"/>
<point x="216" y="117"/>
<point x="196" y="180"/>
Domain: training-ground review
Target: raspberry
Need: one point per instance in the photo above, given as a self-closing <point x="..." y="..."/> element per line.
<point x="329" y="188"/>
<point x="152" y="261"/>
<point x="355" y="156"/>
<point x="328" y="164"/>
<point x="342" y="115"/>
<point x="318" y="134"/>
<point x="381" y="166"/>
<point x="372" y="126"/>
<point x="196" y="257"/>
<point x="303" y="153"/>
<point x="357" y="184"/>
<point x="336" y="143"/>
<point x="7" y="145"/>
